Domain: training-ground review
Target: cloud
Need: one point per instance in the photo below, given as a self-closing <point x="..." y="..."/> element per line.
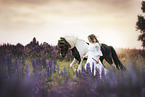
<point x="17" y="12"/>
<point x="26" y="1"/>
<point x="74" y="16"/>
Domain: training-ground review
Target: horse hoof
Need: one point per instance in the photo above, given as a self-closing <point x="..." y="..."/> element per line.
<point x="75" y="70"/>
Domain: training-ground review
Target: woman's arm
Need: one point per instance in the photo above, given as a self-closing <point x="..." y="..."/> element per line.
<point x="97" y="60"/>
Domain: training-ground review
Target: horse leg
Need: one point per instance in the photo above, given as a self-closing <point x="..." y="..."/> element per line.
<point x="80" y="65"/>
<point x="74" y="60"/>
<point x="109" y="60"/>
<point x="116" y="59"/>
<point x="101" y="59"/>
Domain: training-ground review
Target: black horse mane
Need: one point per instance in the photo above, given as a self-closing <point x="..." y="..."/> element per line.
<point x="63" y="42"/>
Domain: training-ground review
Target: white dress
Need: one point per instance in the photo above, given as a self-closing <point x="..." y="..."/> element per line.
<point x="94" y="51"/>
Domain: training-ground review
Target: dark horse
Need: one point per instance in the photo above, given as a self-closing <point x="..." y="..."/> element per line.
<point x="78" y="45"/>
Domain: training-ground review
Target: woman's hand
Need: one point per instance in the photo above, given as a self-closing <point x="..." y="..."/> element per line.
<point x="97" y="60"/>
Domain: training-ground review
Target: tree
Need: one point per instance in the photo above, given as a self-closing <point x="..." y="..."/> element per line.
<point x="140" y="25"/>
<point x="143" y="6"/>
<point x="34" y="40"/>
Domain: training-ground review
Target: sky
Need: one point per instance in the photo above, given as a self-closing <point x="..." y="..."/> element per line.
<point x="112" y="21"/>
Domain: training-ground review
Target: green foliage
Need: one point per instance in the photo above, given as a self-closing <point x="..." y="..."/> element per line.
<point x="143" y="6"/>
<point x="140" y="25"/>
<point x="36" y="77"/>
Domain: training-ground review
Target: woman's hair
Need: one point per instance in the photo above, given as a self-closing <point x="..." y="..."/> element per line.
<point x="93" y="38"/>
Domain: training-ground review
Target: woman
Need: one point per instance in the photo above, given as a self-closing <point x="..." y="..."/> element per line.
<point x="94" y="53"/>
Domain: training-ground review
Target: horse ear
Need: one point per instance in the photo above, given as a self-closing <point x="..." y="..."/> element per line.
<point x="62" y="40"/>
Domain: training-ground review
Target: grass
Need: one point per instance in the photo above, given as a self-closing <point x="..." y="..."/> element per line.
<point x="34" y="78"/>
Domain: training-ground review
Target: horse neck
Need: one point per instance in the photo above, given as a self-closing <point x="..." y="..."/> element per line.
<point x="71" y="40"/>
<point x="82" y="47"/>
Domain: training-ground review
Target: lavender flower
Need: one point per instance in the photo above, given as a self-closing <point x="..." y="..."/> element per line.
<point x="97" y="73"/>
<point x="44" y="61"/>
<point x="93" y="68"/>
<point x="2" y="60"/>
<point x="39" y="64"/>
<point x="53" y="69"/>
<point x="9" y="61"/>
<point x="57" y="68"/>
<point x="50" y="63"/>
<point x="27" y="71"/>
<point x="83" y="70"/>
<point x="38" y="61"/>
<point x="65" y="71"/>
<point x="33" y="63"/>
<point x="23" y="62"/>
<point x="76" y="73"/>
<point x="103" y="74"/>
<point x="62" y="73"/>
<point x="48" y="71"/>
<point x="79" y="75"/>
<point x="88" y="68"/>
<point x="54" y="61"/>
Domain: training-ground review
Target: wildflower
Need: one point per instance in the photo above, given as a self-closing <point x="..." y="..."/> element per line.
<point x="97" y="73"/>
<point x="65" y="71"/>
<point x="79" y="75"/>
<point x="44" y="61"/>
<point x="23" y="62"/>
<point x="50" y="63"/>
<point x="61" y="72"/>
<point x="88" y="68"/>
<point x="53" y="69"/>
<point x="33" y="63"/>
<point x="76" y="73"/>
<point x="57" y="68"/>
<point x="93" y="68"/>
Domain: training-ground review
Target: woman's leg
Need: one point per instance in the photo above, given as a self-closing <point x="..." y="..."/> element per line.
<point x="103" y="69"/>
<point x="95" y="69"/>
<point x="98" y="68"/>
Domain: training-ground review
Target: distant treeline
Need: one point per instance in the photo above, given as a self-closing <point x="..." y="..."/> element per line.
<point x="31" y="49"/>
<point x="44" y="49"/>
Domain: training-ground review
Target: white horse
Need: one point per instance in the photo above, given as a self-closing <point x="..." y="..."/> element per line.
<point x="79" y="48"/>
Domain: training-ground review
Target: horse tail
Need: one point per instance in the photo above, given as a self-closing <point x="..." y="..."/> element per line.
<point x="116" y="59"/>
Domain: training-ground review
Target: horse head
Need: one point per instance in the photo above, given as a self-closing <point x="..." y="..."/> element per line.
<point x="64" y="46"/>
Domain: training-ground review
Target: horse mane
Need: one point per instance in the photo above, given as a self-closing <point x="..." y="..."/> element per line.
<point x="72" y="40"/>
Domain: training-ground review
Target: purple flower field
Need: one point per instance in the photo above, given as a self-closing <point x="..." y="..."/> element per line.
<point x="44" y="76"/>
